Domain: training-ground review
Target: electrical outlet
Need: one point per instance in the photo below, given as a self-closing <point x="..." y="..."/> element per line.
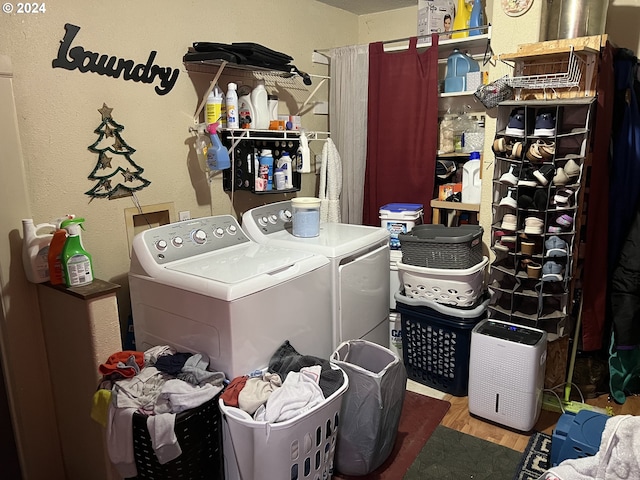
<point x="185" y="215"/>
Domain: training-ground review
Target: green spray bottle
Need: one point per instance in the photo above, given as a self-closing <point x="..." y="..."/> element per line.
<point x="76" y="261"/>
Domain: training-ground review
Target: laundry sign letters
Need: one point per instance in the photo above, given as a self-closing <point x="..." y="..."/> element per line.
<point x="71" y="58"/>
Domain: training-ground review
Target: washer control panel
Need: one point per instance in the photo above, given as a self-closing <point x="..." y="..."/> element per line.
<point x="177" y="241"/>
<point x="273" y="217"/>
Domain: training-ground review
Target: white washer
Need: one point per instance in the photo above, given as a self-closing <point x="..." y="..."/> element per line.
<point x="359" y="257"/>
<point x="203" y="286"/>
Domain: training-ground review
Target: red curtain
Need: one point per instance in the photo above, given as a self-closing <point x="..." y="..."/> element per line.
<point x="402" y="128"/>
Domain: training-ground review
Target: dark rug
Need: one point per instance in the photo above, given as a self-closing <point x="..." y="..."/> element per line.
<point x="419" y="418"/>
<point x="453" y="455"/>
<point x="535" y="459"/>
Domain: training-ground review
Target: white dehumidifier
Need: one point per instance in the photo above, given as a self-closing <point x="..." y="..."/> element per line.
<point x="506" y="373"/>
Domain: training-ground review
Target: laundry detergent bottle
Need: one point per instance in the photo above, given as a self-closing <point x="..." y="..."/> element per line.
<point x="77" y="265"/>
<point x="35" y="249"/>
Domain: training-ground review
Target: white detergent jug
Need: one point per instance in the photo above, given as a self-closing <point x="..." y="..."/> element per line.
<point x="471" y="180"/>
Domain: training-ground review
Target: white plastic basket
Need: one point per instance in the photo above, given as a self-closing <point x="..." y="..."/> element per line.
<point x="460" y="288"/>
<point x="300" y="448"/>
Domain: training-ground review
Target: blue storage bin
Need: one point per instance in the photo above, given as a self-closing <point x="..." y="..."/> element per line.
<point x="577" y="435"/>
<point x="436" y="342"/>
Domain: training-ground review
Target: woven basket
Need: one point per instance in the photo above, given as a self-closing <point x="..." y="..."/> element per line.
<point x="437" y="246"/>
<point x="493" y="93"/>
<point x="199" y="433"/>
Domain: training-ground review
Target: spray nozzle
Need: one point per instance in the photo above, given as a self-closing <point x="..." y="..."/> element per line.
<point x="72" y="225"/>
<point x="213" y="128"/>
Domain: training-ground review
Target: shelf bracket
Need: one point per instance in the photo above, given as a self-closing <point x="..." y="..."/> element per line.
<point x="196" y="117"/>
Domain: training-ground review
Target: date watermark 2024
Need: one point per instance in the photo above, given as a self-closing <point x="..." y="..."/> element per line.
<point x="24" y="8"/>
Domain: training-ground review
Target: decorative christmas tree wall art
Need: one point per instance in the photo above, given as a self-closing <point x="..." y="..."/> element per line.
<point x="116" y="174"/>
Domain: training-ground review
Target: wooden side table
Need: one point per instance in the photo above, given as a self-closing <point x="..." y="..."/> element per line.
<point x="453" y="209"/>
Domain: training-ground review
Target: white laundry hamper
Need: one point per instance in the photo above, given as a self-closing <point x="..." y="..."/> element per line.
<point x="300" y="448"/>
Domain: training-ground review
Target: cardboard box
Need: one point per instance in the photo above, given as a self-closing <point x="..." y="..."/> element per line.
<point x="448" y="189"/>
<point x="435" y="16"/>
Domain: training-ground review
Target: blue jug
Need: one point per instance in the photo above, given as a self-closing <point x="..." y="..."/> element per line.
<point x="458" y="65"/>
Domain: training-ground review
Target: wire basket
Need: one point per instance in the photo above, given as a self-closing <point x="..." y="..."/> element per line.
<point x="199" y="434"/>
<point x="437" y="246"/>
<point x="495" y="92"/>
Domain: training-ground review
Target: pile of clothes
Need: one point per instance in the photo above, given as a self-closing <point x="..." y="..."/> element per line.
<point x="292" y="385"/>
<point x="158" y="383"/>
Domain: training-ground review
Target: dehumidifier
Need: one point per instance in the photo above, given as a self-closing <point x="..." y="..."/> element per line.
<point x="506" y="373"/>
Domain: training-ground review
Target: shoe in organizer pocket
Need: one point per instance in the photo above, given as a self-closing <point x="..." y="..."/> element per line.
<point x="555" y="247"/>
<point x="545" y="125"/>
<point x="516" y="125"/>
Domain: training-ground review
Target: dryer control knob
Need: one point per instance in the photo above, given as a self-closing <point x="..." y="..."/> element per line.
<point x="232" y="229"/>
<point x="161" y="245"/>
<point x="273" y="218"/>
<point x="199" y="236"/>
<point x="263" y="221"/>
<point x="285" y="215"/>
<point x="177" y="241"/>
<point x="218" y="232"/>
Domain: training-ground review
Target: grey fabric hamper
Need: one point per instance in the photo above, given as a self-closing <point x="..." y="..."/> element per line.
<point x="371" y="407"/>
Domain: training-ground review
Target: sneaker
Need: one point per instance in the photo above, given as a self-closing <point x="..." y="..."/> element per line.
<point x="544" y="174"/>
<point x="572" y="169"/>
<point x="564" y="220"/>
<point x="555" y="229"/>
<point x="505" y="243"/>
<point x="551" y="272"/>
<point x="560" y="178"/>
<point x="556" y="247"/>
<point x="509" y="199"/>
<point x="533" y="225"/>
<point x="563" y="197"/>
<point x="526" y="177"/>
<point x="540" y="200"/>
<point x="515" y="127"/>
<point x="545" y="124"/>
<point x="509" y="222"/>
<point x="525" y="201"/>
<point x="509" y="177"/>
<point x="445" y="168"/>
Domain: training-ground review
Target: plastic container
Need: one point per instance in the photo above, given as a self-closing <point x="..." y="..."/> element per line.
<point x="577" y="436"/>
<point x="213" y="108"/>
<point x="438" y="246"/>
<point x="436" y="343"/>
<point x="278" y="179"/>
<point x="461" y="20"/>
<point x="272" y="103"/>
<point x="476" y="19"/>
<point x="232" y="106"/>
<point x="199" y="433"/>
<point x="56" y="274"/>
<point x="35" y="249"/>
<point x="217" y="154"/>
<point x="458" y="65"/>
<point x="76" y="261"/>
<point x="245" y="111"/>
<point x="456" y="287"/>
<point x="302" y="447"/>
<point x="400" y="218"/>
<point x="306" y="216"/>
<point x="471" y="182"/>
<point x="265" y="172"/>
<point x="286" y="165"/>
<point x="371" y="406"/>
<point x="259" y="100"/>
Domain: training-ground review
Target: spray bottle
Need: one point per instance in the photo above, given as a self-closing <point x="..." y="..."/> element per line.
<point x="35" y="249"/>
<point x="76" y="261"/>
<point x="56" y="275"/>
<point x="217" y="154"/>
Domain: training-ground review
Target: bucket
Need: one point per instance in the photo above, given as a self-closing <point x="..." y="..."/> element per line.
<point x="573" y="18"/>
<point x="399" y="218"/>
<point x="471" y="188"/>
<point x="306" y="216"/>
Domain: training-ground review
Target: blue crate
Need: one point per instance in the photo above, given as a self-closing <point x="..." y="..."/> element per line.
<point x="436" y="342"/>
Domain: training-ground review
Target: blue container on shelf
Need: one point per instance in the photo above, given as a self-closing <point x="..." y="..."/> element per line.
<point x="458" y="65"/>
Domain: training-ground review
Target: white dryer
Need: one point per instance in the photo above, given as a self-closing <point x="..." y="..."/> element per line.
<point x="359" y="257"/>
<point x="203" y="286"/>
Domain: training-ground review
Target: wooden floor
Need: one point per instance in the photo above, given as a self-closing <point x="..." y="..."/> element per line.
<point x="458" y="418"/>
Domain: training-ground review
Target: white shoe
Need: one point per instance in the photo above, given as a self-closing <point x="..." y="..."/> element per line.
<point x="508" y="177"/>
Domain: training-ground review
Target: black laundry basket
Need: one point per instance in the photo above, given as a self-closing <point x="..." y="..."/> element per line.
<point x="371" y="407"/>
<point x="199" y="433"/>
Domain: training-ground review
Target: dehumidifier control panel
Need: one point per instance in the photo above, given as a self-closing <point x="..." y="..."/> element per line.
<point x="177" y="241"/>
<point x="273" y="217"/>
<point x="510" y="332"/>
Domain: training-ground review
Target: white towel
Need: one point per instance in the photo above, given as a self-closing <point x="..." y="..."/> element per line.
<point x="177" y="396"/>
<point x="163" y="437"/>
<point x="299" y="393"/>
<point x="330" y="183"/>
<point x="119" y="436"/>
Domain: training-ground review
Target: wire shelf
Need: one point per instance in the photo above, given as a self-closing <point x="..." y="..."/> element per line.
<point x="553" y="74"/>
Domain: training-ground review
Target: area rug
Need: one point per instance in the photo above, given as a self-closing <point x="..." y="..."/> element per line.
<point x="419" y="418"/>
<point x="453" y="455"/>
<point x="535" y="459"/>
